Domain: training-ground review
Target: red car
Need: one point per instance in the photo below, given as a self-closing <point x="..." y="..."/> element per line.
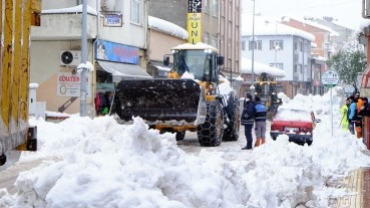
<point x="298" y="124"/>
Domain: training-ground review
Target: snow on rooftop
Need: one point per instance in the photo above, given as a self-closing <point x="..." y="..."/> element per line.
<point x="167" y="27"/>
<point x="259" y="68"/>
<point x="76" y="9"/>
<point x="312" y="23"/>
<point x="264" y="26"/>
<point x="363" y="24"/>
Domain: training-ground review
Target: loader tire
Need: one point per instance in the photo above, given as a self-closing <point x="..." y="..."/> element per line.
<point x="231" y="133"/>
<point x="210" y="133"/>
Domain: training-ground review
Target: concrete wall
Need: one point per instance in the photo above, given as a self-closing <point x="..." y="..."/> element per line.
<point x="68" y="26"/>
<point x="63" y="27"/>
<point x="170" y="10"/>
<point x="161" y="44"/>
<point x="45" y="65"/>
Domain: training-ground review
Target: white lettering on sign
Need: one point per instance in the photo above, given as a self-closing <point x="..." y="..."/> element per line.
<point x="330" y="78"/>
<point x="194" y="6"/>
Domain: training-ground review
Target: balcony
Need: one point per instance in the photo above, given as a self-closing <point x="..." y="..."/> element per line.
<point x="63" y="26"/>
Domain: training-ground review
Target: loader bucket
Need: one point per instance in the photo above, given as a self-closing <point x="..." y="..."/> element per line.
<point x="160" y="101"/>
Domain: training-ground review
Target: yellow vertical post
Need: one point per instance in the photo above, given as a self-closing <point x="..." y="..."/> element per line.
<point x="25" y="59"/>
<point x="7" y="63"/>
<point x="17" y="63"/>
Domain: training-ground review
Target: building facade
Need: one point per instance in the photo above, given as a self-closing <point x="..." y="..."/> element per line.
<point x="116" y="47"/>
<point x="220" y="25"/>
<point x="345" y="33"/>
<point x="284" y="47"/>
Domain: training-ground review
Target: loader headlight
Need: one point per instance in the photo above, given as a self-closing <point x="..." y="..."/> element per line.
<point x="211" y="87"/>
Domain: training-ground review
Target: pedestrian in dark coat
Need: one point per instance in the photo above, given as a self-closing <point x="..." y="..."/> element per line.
<point x="247" y="119"/>
<point x="365" y="110"/>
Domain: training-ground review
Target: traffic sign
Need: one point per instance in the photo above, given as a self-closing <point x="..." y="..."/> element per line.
<point x="330" y="78"/>
<point x="349" y="89"/>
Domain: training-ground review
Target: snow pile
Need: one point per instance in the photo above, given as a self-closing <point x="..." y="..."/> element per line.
<point x="99" y="163"/>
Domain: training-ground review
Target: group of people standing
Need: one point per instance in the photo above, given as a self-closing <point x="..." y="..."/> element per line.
<point x="254" y="114"/>
<point x="353" y="112"/>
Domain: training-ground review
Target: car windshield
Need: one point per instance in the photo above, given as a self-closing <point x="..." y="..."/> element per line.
<point x="293" y="115"/>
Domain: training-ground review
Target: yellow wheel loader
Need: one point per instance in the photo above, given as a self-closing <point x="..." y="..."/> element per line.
<point x="15" y="132"/>
<point x="267" y="88"/>
<point x="188" y="100"/>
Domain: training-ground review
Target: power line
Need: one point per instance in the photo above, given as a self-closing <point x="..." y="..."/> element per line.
<point x="307" y="8"/>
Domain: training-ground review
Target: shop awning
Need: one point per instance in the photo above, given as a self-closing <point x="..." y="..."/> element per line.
<point x="365" y="81"/>
<point x="124" y="70"/>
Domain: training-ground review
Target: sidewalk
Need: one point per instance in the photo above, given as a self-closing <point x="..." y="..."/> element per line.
<point x="358" y="183"/>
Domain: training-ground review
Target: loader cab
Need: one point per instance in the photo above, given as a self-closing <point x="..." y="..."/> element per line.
<point x="202" y="63"/>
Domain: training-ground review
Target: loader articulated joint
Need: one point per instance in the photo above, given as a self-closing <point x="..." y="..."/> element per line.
<point x="32" y="139"/>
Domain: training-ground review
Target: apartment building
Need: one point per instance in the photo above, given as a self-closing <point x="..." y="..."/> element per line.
<point x="284" y="47"/>
<point x="322" y="47"/>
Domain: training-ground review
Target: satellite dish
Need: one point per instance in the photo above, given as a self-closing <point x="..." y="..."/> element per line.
<point x="67" y="57"/>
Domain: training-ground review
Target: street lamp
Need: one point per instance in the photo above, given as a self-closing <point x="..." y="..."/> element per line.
<point x="83" y="90"/>
<point x="252" y="88"/>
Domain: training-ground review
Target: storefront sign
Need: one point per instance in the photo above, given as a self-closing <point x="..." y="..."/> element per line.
<point x="194" y="21"/>
<point x="113" y="20"/>
<point x="110" y="51"/>
<point x="194" y="6"/>
<point x="68" y="84"/>
<point x="194" y="27"/>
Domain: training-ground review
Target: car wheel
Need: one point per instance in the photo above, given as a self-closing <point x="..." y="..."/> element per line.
<point x="309" y="143"/>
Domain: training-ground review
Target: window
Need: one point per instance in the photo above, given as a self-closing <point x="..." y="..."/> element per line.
<point x="229" y="49"/>
<point x="277" y="65"/>
<point x="295" y="69"/>
<point x="215" y="7"/>
<point x="306" y="48"/>
<point x="276" y="43"/>
<point x="295" y="46"/>
<point x="300" y="46"/>
<point x="206" y="38"/>
<point x="135" y="11"/>
<point x="215" y="41"/>
<point x="258" y="45"/>
<point x="243" y="45"/>
<point x="205" y="6"/>
<point x="299" y="68"/>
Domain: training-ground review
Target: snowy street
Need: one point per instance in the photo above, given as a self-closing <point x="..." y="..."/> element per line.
<point x="85" y="162"/>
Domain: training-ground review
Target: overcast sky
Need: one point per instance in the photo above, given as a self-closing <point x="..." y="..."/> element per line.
<point x="347" y="12"/>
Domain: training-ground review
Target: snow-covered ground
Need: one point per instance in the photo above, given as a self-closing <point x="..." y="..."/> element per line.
<point x="99" y="163"/>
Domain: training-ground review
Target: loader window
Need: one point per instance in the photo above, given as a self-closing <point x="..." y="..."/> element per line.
<point x="196" y="62"/>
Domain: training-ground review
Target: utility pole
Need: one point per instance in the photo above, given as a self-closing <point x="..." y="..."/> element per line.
<point x="83" y="60"/>
<point x="252" y="88"/>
